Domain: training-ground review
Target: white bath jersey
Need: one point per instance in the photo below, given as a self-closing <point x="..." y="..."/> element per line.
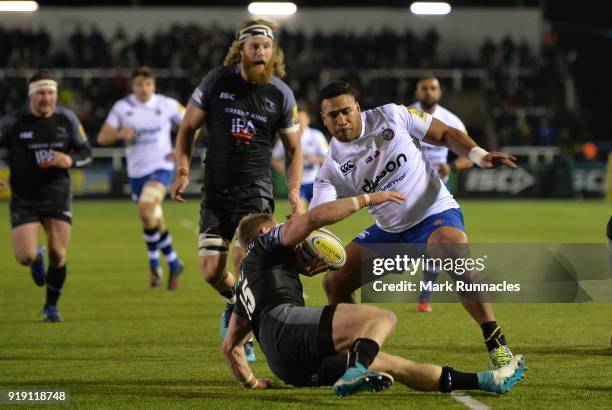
<point x="385" y="157"/>
<point x="434" y="153"/>
<point x="151" y="147"/>
<point x="313" y="143"/>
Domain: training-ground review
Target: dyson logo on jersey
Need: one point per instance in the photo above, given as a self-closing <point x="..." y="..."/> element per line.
<point x="347" y="167"/>
<point x="370" y="185"/>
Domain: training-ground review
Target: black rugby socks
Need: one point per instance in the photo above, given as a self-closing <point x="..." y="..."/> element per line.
<point x="55" y="282"/>
<point x="493" y="336"/>
<point x="363" y="351"/>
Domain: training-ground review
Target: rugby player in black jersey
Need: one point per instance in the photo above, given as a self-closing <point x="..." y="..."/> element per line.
<point x="244" y="104"/>
<point x="335" y="345"/>
<point x="43" y="140"/>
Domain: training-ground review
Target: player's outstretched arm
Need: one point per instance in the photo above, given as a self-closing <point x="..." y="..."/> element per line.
<point x="232" y="350"/>
<point x="109" y="135"/>
<point x="294" y="165"/>
<point x="464" y="146"/>
<point x="185" y="142"/>
<point x="298" y="227"/>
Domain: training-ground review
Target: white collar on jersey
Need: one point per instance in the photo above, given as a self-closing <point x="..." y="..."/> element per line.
<point x="362" y="115"/>
<point x="151" y="102"/>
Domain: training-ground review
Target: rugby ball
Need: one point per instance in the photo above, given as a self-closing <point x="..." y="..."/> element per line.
<point x="325" y="245"/>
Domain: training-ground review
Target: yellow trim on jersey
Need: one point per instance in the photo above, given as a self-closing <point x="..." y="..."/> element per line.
<point x="82" y="132"/>
<point x="417" y="113"/>
<point x="294" y="117"/>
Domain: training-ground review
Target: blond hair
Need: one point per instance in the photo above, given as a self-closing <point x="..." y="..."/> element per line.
<point x="233" y="54"/>
<point x="251" y="225"/>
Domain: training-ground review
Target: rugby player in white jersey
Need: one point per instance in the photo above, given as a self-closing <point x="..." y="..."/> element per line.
<point x="428" y="94"/>
<point x="143" y="120"/>
<point x="314" y="149"/>
<point x="375" y="150"/>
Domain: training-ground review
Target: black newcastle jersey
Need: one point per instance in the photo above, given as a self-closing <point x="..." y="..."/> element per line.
<point x="268" y="278"/>
<point x="30" y="140"/>
<point x="243" y="119"/>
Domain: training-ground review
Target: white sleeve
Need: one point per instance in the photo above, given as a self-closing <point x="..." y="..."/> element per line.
<point x="178" y="112"/>
<point x="416" y="121"/>
<point x="114" y="116"/>
<point x="278" y="152"/>
<point x="324" y="189"/>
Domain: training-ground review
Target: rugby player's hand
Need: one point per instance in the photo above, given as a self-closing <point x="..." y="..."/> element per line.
<point x="378" y="198"/>
<point x="178" y="186"/>
<point x="294" y="201"/>
<point x="261" y="384"/>
<point x="60" y="160"/>
<point x="125" y="134"/>
<point x="443" y="169"/>
<point x="309" y="268"/>
<point x="3" y="185"/>
<point x="498" y="159"/>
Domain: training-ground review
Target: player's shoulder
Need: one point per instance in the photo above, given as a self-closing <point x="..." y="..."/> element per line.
<point x="167" y="102"/>
<point x="280" y="84"/>
<point x="67" y="113"/>
<point x="387" y="110"/>
<point x="124" y="104"/>
<point x="219" y="73"/>
<point x="282" y="88"/>
<point x="271" y="240"/>
<point x="10" y="119"/>
<point x="13" y="116"/>
<point x="384" y="114"/>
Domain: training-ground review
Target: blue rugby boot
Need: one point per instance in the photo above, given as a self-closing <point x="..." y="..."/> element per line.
<point x="358" y="378"/>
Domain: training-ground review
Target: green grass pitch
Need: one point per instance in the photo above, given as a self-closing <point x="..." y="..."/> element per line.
<point x="124" y="345"/>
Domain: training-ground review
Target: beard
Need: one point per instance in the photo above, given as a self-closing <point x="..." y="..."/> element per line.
<point x="428" y="104"/>
<point x="258" y="76"/>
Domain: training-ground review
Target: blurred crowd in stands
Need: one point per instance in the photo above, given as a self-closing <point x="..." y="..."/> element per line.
<point x="527" y="93"/>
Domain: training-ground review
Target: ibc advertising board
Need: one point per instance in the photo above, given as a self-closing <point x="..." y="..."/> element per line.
<point x="578" y="180"/>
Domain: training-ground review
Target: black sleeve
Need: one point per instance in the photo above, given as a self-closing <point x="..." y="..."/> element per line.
<point x="202" y="95"/>
<point x="6" y="123"/>
<point x="80" y="151"/>
<point x="272" y="240"/>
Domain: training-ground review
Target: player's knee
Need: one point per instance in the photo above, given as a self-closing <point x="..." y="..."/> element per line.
<point x="389" y="318"/>
<point x="213" y="251"/>
<point x="26" y="258"/>
<point x="448" y="235"/>
<point x="212" y="270"/>
<point x="57" y="256"/>
<point x="146" y="211"/>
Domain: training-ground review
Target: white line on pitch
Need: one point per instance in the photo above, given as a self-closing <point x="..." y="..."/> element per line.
<point x="468" y="401"/>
